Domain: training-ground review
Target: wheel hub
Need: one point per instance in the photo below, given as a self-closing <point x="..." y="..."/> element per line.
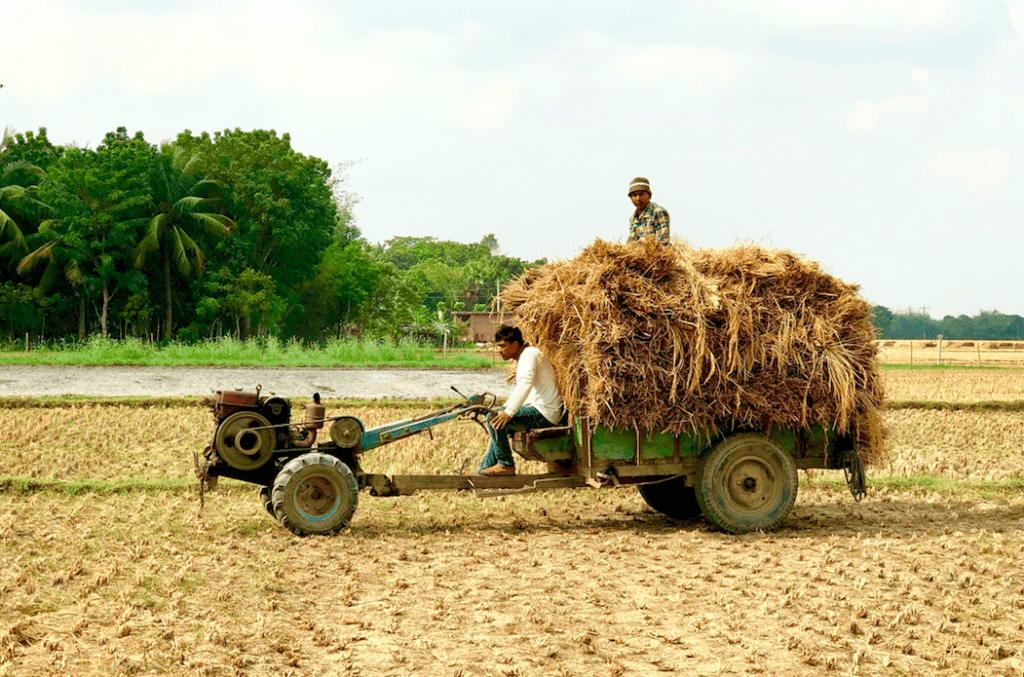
<point x="750" y="484"/>
<point x="316" y="497"/>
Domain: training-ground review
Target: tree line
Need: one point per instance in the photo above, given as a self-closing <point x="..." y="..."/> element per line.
<point x="987" y="325"/>
<point x="234" y="233"/>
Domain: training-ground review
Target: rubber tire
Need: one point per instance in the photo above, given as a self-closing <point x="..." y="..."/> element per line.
<point x="320" y="479"/>
<point x="721" y="492"/>
<point x="672" y="498"/>
<point x="266" y="499"/>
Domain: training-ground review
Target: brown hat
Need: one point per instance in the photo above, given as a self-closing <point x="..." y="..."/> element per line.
<point x="637" y="184"/>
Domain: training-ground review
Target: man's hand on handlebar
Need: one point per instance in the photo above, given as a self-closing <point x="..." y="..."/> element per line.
<point x="500" y="420"/>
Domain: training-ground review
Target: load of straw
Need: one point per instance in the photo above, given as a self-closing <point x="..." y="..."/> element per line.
<point x="669" y="338"/>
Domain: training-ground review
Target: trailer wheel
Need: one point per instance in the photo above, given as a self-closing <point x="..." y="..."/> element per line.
<point x="672" y="498"/>
<point x="315" y="494"/>
<point x="747" y="483"/>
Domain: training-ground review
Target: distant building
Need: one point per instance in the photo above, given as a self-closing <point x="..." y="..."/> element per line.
<point x="480" y="325"/>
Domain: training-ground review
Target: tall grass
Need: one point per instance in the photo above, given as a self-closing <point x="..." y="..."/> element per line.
<point x="269" y="352"/>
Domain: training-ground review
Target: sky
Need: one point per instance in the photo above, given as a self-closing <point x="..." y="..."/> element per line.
<point x="882" y="138"/>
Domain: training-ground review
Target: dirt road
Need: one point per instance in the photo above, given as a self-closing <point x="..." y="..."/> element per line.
<point x="100" y="381"/>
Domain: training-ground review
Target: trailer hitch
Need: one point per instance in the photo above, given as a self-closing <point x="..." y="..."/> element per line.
<point x="853" y="471"/>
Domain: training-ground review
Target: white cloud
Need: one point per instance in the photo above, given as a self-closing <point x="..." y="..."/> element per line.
<point x="278" y="45"/>
<point x="868" y="18"/>
<point x="982" y="172"/>
<point x="1016" y="10"/>
<point x="1018" y="103"/>
<point x="723" y="159"/>
<point x="696" y="65"/>
<point x="866" y="114"/>
<point x="921" y="75"/>
<point x="489" y="105"/>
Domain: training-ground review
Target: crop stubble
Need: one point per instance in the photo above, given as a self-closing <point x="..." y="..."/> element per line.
<point x="571" y="583"/>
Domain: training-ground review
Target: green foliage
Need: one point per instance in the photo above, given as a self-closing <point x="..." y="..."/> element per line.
<point x="452" y="275"/>
<point x="881" y="317"/>
<point x="100" y="200"/>
<point x="17" y="183"/>
<point x="246" y="295"/>
<point x="987" y="325"/>
<point x="266" y="351"/>
<point x="407" y="252"/>
<point x="32" y="148"/>
<point x="391" y="309"/>
<point x="281" y="199"/>
<point x="335" y="297"/>
<point x="24" y="160"/>
<point x="22" y="308"/>
<point x="120" y="240"/>
<point x="183" y="211"/>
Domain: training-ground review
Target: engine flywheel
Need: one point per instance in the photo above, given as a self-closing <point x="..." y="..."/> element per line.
<point x="245" y="440"/>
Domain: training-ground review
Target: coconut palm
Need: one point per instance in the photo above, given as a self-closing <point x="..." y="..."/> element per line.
<point x="60" y="258"/>
<point x="16" y="181"/>
<point x="183" y="210"/>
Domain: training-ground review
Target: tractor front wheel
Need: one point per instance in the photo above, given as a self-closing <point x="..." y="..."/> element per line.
<point x="672" y="498"/>
<point x="315" y="494"/>
<point x="747" y="483"/>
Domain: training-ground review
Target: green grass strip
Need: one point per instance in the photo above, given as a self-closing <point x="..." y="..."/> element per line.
<point x="24" y="486"/>
<point x="945" y="367"/>
<point x="931" y="484"/>
<point x="265" y="352"/>
<point x="82" y="401"/>
<point x="1006" y="405"/>
<point x="65" y="401"/>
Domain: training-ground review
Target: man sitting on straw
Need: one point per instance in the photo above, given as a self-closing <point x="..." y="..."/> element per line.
<point x="535" y="402"/>
<point x="649" y="219"/>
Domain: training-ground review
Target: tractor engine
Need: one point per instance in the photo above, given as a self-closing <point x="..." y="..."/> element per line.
<point x="250" y="427"/>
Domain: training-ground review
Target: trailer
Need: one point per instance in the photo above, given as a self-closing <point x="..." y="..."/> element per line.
<point x="738" y="478"/>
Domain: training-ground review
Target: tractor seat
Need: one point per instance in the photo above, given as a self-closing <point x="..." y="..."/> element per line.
<point x="545" y="433"/>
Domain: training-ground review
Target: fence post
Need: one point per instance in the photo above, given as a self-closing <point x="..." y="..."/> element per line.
<point x="978" y="344"/>
<point x="911" y="352"/>
<point x="940" y="350"/>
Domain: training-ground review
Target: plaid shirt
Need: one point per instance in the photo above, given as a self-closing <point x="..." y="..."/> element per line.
<point x="653" y="221"/>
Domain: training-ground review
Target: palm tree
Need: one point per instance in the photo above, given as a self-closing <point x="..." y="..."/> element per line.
<point x="182" y="210"/>
<point x="60" y="258"/>
<point x="16" y="181"/>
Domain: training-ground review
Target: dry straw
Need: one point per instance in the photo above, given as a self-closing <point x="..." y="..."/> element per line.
<point x="686" y="340"/>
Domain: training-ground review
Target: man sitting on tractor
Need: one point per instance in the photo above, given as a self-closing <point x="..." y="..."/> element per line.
<point x="534" y="403"/>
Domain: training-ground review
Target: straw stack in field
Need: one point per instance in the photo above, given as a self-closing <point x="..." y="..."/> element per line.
<point x="670" y="338"/>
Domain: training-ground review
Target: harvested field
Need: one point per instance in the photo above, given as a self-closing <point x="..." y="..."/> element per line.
<point x="924" y="577"/>
<point x="954" y="385"/>
<point x="958" y="445"/>
<point x="907" y="583"/>
<point x="954" y="353"/>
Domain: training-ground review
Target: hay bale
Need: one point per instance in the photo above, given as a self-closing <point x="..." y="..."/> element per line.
<point x="684" y="340"/>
